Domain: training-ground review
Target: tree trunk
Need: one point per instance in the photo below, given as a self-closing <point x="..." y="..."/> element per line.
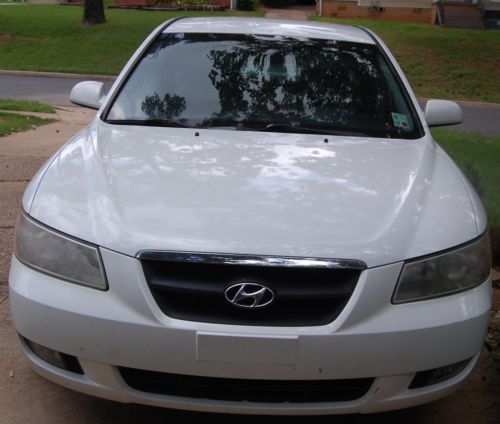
<point x="93" y="12"/>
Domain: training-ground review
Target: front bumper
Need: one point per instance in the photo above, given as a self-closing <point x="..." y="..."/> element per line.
<point x="371" y="338"/>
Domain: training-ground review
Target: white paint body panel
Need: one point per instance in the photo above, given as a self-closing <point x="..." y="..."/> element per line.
<point x="443" y="112"/>
<point x="371" y="337"/>
<point x="135" y="188"/>
<point x="88" y="93"/>
<point x="278" y="27"/>
<point x="381" y="201"/>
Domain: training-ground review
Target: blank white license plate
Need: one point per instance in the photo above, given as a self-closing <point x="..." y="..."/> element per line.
<point x="246" y="349"/>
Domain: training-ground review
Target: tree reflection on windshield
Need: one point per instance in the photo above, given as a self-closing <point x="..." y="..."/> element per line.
<point x="302" y="83"/>
<point x="170" y="107"/>
<point x="260" y="82"/>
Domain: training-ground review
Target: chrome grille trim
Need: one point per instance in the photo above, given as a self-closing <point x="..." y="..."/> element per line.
<point x="251" y="260"/>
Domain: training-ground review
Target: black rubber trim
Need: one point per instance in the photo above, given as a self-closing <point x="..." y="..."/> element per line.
<point x="242" y="390"/>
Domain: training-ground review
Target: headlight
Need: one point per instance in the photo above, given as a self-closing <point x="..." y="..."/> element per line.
<point x="454" y="271"/>
<point x="58" y="255"/>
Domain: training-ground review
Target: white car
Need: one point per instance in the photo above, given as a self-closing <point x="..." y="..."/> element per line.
<point x="257" y="221"/>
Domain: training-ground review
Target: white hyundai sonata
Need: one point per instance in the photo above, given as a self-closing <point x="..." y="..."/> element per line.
<point x="256" y="221"/>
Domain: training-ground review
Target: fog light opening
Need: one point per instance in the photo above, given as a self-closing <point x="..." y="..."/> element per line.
<point x="437" y="375"/>
<point x="55" y="358"/>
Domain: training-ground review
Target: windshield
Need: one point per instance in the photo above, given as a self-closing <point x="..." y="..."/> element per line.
<point x="265" y="83"/>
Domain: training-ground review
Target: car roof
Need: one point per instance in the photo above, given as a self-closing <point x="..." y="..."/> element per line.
<point x="264" y="26"/>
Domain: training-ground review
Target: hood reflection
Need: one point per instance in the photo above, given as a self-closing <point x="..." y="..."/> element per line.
<point x="148" y="188"/>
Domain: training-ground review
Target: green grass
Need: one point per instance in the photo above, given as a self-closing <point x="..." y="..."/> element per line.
<point x="25" y="105"/>
<point x="42" y="37"/>
<point x="12" y="122"/>
<point x="478" y="155"/>
<point x="442" y="62"/>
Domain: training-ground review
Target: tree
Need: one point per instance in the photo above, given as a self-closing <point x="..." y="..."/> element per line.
<point x="93" y="12"/>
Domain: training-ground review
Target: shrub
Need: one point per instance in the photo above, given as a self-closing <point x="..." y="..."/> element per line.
<point x="247" y="4"/>
<point x="274" y="3"/>
<point x="283" y="3"/>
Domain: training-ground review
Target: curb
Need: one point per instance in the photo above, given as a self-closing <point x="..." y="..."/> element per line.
<point x="56" y="75"/>
<point x="45" y="115"/>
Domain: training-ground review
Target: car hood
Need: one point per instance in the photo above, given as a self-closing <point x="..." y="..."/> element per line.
<point x="131" y="188"/>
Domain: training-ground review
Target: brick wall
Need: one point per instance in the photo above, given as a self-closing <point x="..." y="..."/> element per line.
<point x="343" y="9"/>
<point x="225" y="3"/>
<point x="398" y="3"/>
<point x="132" y="2"/>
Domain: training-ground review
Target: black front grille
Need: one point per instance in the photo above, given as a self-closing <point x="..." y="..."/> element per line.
<point x="231" y="389"/>
<point x="303" y="296"/>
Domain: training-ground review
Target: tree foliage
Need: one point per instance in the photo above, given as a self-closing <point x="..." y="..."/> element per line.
<point x="247" y="4"/>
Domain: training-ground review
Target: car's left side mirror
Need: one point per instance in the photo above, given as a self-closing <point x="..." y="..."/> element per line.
<point x="88" y="93"/>
<point x="439" y="113"/>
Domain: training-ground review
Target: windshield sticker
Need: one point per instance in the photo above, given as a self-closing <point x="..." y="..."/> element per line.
<point x="401" y="121"/>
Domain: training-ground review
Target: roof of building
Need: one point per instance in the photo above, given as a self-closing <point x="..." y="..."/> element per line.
<point x="264" y="26"/>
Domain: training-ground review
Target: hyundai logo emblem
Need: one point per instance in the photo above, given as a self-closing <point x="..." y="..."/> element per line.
<point x="249" y="295"/>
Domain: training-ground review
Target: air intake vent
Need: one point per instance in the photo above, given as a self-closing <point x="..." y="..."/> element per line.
<point x="303" y="295"/>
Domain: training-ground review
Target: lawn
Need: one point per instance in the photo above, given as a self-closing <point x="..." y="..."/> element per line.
<point x="25" y="105"/>
<point x="42" y="37"/>
<point x="12" y="122"/>
<point x="442" y="62"/>
<point x="478" y="155"/>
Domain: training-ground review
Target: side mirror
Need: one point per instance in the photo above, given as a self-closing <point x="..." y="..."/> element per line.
<point x="88" y="93"/>
<point x="439" y="113"/>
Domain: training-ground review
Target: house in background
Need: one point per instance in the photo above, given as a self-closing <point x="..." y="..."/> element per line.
<point x="459" y="14"/>
<point x="450" y="13"/>
<point x="227" y="4"/>
<point x="491" y="13"/>
<point x="398" y="10"/>
<point x="454" y="13"/>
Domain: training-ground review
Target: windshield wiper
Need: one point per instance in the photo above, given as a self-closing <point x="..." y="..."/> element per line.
<point x="233" y="124"/>
<point x="284" y="127"/>
<point x="152" y="122"/>
<point x="241" y="126"/>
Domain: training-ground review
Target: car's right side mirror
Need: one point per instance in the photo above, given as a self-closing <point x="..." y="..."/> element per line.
<point x="439" y="113"/>
<point x="88" y="93"/>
